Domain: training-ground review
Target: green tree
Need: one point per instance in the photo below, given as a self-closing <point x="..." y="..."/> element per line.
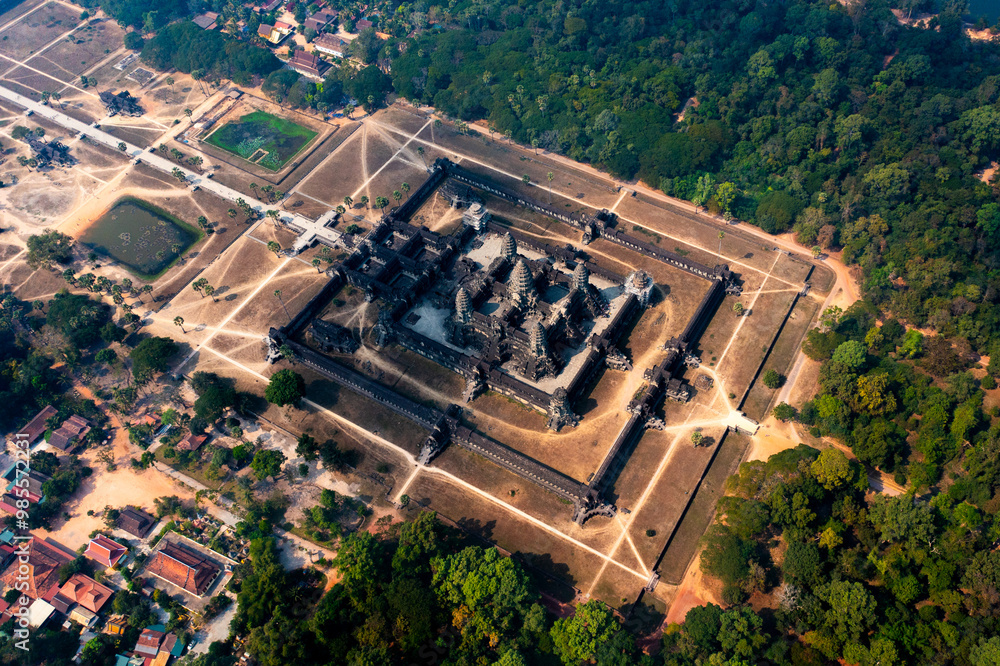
<point x="851" y="354"/>
<point x="49" y="248"/>
<point x="577" y="638"/>
<point x="902" y="519"/>
<point x="784" y="412"/>
<point x="285" y="388"/>
<point x="771" y="379"/>
<point x="267" y="463"/>
<point x="832" y="469"/>
<point x="852" y="610"/>
<point x="986" y="652"/>
<point x="741" y="634"/>
<point x="495" y="589"/>
<point x="151" y="356"/>
<point x="725" y="195"/>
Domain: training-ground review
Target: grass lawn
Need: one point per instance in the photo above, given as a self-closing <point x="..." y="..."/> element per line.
<point x="262" y="138"/>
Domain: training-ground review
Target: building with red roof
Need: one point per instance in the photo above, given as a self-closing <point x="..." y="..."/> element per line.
<point x="184" y="567"/>
<point x="86" y="591"/>
<point x="43" y="562"/>
<point x="103" y="550"/>
<point x="36" y="427"/>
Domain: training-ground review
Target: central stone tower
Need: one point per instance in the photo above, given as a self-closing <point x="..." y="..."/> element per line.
<point x="521" y="285"/>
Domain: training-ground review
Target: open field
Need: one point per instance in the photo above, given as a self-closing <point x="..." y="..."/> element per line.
<point x="782" y="355"/>
<point x="89" y="44"/>
<point x="699" y="514"/>
<point x="540" y="548"/>
<point x="37" y="29"/>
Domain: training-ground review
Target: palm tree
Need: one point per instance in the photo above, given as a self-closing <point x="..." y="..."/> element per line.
<point x="534" y="144"/>
<point x="202" y="221"/>
<point x="231" y="213"/>
<point x="722" y="234"/>
<point x="406" y="188"/>
<point x="436" y="125"/>
<point x="122" y="147"/>
<point x="420" y="151"/>
<point x="274" y="247"/>
<point x="381" y="203"/>
<point x="550" y="176"/>
<point x="341" y="210"/>
<point x="179" y="321"/>
<point x="526" y="179"/>
<point x="273" y="214"/>
<point x="253" y="188"/>
<point x="349" y="110"/>
<point x="364" y="200"/>
<point x="316" y="263"/>
<point x="210" y="291"/>
<point x="396" y="195"/>
<point x="277" y="294"/>
<point x="348" y="201"/>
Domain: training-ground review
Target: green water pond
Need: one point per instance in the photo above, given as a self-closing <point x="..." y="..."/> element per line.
<point x="144" y="238"/>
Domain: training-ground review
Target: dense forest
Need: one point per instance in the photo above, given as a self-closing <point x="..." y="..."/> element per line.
<point x="414" y="592"/>
<point x="863" y="579"/>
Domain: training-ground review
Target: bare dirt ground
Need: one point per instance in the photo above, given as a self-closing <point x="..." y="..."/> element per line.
<point x="116" y="489"/>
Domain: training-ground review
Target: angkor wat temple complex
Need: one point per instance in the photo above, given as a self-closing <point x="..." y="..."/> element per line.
<point x="509" y="313"/>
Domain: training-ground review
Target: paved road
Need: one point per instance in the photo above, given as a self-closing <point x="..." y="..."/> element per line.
<point x="310" y="229"/>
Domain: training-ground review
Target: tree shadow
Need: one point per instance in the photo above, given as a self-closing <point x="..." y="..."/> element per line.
<point x="560" y="571"/>
<point x="478" y="527"/>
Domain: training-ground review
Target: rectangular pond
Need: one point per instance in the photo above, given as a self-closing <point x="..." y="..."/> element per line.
<point x="262" y="138"/>
<point x="141" y="236"/>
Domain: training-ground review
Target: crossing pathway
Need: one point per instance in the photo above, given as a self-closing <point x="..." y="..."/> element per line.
<point x="308" y="229"/>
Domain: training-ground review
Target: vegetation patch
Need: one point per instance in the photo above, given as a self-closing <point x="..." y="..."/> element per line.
<point x="278" y="138"/>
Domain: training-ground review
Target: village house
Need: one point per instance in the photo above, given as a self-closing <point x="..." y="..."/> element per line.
<point x="320" y="20"/>
<point x="331" y="45"/>
<point x="268" y="7"/>
<point x="69" y="434"/>
<point x="81" y="599"/>
<point x="36" y="427"/>
<point x="156" y="646"/>
<point x="135" y="521"/>
<point x="104" y="551"/>
<point x="35" y="494"/>
<point x="191" y="442"/>
<point x="308" y="64"/>
<point x="184" y="567"/>
<point x="207" y="21"/>
<point x="44" y="559"/>
<point x="274" y="34"/>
